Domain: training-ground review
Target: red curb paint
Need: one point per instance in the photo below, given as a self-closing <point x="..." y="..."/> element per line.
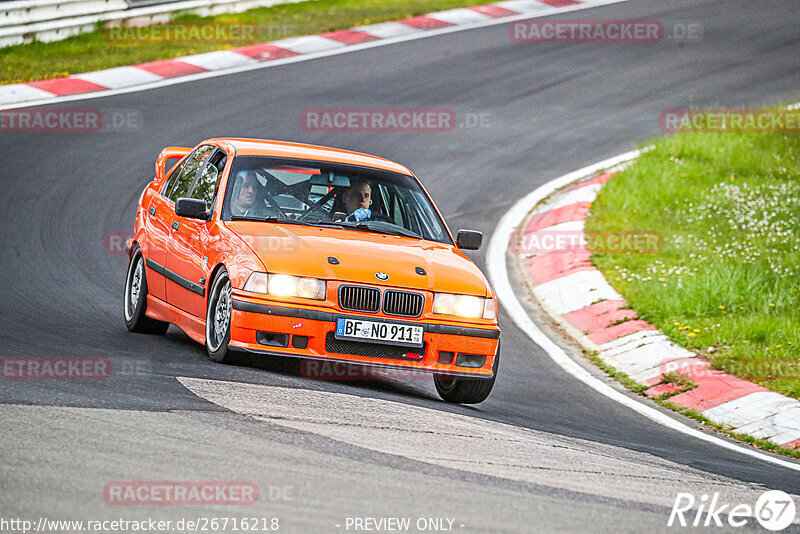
<point x="713" y="388"/>
<point x="264" y="52"/>
<point x="557" y="264"/>
<point x="568" y="213"/>
<point x="792" y="444"/>
<point x="599" y="315"/>
<point x="661" y="389"/>
<point x="600" y="179"/>
<point x="620" y="330"/>
<point x="67" y="86"/>
<point x="560" y="3"/>
<point x="349" y="36"/>
<point x="676" y="365"/>
<point x="425" y="23"/>
<point x="170" y="68"/>
<point x="493" y="11"/>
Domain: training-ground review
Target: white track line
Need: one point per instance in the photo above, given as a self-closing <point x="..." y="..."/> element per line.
<point x="498" y="274"/>
<point x="308" y="57"/>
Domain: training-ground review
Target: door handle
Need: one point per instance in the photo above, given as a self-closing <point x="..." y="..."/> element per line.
<point x="152" y="211"/>
<point x="176" y="224"/>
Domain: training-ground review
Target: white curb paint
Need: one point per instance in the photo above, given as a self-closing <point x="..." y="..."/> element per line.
<point x="220" y="59"/>
<point x="307" y="44"/>
<point x="575" y="291"/>
<point x="119" y="77"/>
<point x="17" y="92"/>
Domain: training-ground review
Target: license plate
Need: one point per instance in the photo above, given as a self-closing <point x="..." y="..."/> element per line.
<point x="378" y="332"/>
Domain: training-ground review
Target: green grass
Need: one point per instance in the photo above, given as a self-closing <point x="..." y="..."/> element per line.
<point x="727" y="281"/>
<point x="94" y="50"/>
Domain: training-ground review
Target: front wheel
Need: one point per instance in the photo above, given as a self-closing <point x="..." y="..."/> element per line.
<point x="135" y="300"/>
<point x="466" y="390"/>
<point x="218" y="318"/>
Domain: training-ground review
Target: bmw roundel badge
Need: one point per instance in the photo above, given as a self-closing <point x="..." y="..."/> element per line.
<point x="382" y="276"/>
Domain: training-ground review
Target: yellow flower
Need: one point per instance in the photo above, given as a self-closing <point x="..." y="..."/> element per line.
<point x="692" y="334"/>
<point x="635" y="211"/>
<point x="741" y="307"/>
<point x="722" y="307"/>
<point x="662" y="279"/>
<point x="767" y="348"/>
<point x="778" y="346"/>
<point x="696" y="330"/>
<point x="772" y="304"/>
<point x="732" y="177"/>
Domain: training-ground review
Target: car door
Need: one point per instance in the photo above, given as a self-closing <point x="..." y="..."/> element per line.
<point x="158" y="226"/>
<point x="186" y="255"/>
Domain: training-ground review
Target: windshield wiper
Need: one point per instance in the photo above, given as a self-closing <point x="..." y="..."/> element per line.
<point x="284" y="220"/>
<point x="394" y="230"/>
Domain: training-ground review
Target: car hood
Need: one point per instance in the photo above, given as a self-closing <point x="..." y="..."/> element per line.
<point x="305" y="251"/>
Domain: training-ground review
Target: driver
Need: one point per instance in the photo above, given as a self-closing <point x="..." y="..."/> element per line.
<point x="357" y="201"/>
<point x="249" y="200"/>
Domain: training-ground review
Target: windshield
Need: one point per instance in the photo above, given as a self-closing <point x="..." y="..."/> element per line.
<point x="324" y="194"/>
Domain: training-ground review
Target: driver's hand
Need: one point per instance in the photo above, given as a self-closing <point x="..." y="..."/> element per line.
<point x="359" y="215"/>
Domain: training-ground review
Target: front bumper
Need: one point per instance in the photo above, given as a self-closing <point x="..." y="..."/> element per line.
<point x="308" y="333"/>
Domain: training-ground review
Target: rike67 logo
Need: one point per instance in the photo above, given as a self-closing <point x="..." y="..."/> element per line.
<point x="774" y="510"/>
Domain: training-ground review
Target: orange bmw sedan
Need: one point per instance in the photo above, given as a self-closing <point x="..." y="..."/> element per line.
<point x="286" y="249"/>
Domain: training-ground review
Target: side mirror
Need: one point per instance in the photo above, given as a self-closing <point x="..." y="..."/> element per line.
<point x="191" y="208"/>
<point x="171" y="152"/>
<point x="469" y="239"/>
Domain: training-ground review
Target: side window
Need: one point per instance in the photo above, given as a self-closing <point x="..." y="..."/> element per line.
<point x="208" y="181"/>
<point x="397" y="212"/>
<point x="185" y="179"/>
<point x="172" y="175"/>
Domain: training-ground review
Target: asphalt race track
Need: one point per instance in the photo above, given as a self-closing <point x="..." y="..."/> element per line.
<point x="544" y="453"/>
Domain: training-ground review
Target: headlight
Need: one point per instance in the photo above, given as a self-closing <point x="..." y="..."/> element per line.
<point x="463" y="306"/>
<point x="284" y="285"/>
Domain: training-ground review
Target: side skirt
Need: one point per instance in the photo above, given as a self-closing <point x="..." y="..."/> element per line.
<point x="160" y="310"/>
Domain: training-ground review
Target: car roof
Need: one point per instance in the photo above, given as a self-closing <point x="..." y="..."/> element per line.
<point x="285" y="149"/>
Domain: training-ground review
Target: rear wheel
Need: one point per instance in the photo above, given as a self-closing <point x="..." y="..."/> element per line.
<point x="466" y="390"/>
<point x="135" y="302"/>
<point x="218" y="318"/>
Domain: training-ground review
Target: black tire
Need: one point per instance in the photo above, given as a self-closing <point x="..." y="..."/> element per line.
<point x="134" y="304"/>
<point x="218" y="318"/>
<point x="466" y="390"/>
